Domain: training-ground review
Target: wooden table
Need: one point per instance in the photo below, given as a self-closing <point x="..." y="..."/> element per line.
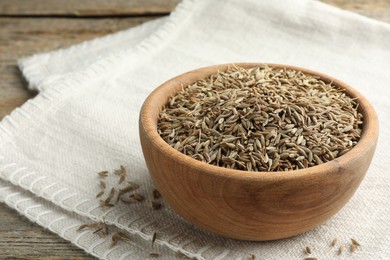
<point x="24" y="31"/>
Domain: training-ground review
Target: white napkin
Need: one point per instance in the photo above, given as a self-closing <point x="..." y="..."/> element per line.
<point x="85" y="120"/>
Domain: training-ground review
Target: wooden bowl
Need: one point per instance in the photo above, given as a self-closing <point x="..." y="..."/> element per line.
<point x="252" y="205"/>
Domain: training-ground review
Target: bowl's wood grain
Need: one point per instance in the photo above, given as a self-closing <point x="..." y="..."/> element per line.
<point x="252" y="205"/>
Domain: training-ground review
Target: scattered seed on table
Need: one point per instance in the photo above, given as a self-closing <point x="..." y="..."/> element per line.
<point x="154" y="255"/>
<point x="133" y="184"/>
<point x="334" y="242"/>
<point x="103" y="173"/>
<point x="356" y="243"/>
<point x="122" y="179"/>
<point x="123" y="236"/>
<point x="128" y="188"/>
<point x="101" y="234"/>
<point x="111" y="195"/>
<point x="104" y="203"/>
<point x="156" y="194"/>
<point x="97" y="230"/>
<point x="126" y="201"/>
<point x="154" y="238"/>
<point x="353" y="248"/>
<point x="137" y="197"/>
<point x="81" y="227"/>
<point x="156" y="205"/>
<point x="118" y="197"/>
<point x="308" y="250"/>
<point x="120" y="171"/>
<point x="341" y="249"/>
<point x="114" y="239"/>
<point x="105" y="229"/>
<point x="84" y="226"/>
<point x="100" y="194"/>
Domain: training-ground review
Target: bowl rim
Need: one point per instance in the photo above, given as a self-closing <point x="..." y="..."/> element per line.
<point x="370" y="129"/>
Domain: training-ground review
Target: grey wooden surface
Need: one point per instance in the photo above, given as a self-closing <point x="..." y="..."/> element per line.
<point x="24" y="31"/>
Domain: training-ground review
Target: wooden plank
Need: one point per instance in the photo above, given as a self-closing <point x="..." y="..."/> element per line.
<point x="361" y="5"/>
<point x="84" y="8"/>
<point x="379" y="9"/>
<point x="19" y="238"/>
<point x="74" y="8"/>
